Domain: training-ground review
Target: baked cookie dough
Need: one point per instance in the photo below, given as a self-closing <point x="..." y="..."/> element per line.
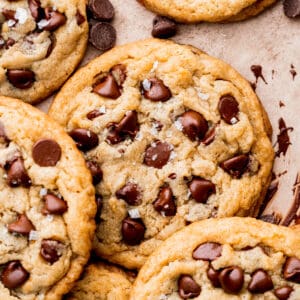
<point x="207" y="11"/>
<point x="47" y="206"/>
<point x="231" y="258"/>
<point x="171" y="136"/>
<point x="102" y="282"/>
<point x="41" y="43"/>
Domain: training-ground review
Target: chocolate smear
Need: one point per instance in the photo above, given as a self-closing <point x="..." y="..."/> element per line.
<point x="283" y="139"/>
<point x="292" y="70"/>
<point x="257" y="71"/>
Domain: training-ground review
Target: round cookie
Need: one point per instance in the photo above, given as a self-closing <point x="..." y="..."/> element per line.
<point x="47" y="206"/>
<point x="230" y="258"/>
<point x="102" y="282"/>
<point x="41" y="43"/>
<point x="207" y="11"/>
<point x="171" y="136"/>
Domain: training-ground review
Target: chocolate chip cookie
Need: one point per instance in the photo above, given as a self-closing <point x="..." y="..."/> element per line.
<point x="47" y="205"/>
<point x="102" y="282"/>
<point x="171" y="136"/>
<point x="41" y="43"/>
<point x="230" y="258"/>
<point x="208" y="11"/>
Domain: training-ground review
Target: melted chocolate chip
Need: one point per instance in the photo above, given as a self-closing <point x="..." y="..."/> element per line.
<point x="51" y="46"/>
<point x="229" y="109"/>
<point x="130" y="193"/>
<point x="260" y="282"/>
<point x="236" y="166"/>
<point x="35" y="9"/>
<point x="54" y="205"/>
<point x="157" y="91"/>
<point x="188" y="288"/>
<point x="80" y="19"/>
<point x="94" y="114"/>
<point x="157" y="154"/>
<point x="209" y="137"/>
<point x="213" y="276"/>
<point x="119" y="73"/>
<point x="17" y="174"/>
<point x="291" y="269"/>
<point x="165" y="202"/>
<point x="107" y="87"/>
<point x="163" y="27"/>
<point x="14" y="275"/>
<point x="46" y="152"/>
<point x="21" y="78"/>
<point x="172" y="176"/>
<point x="201" y="189"/>
<point x="55" y="19"/>
<point x="291" y="8"/>
<point x="133" y="231"/>
<point x="21" y="226"/>
<point x="9" y="14"/>
<point x="194" y="125"/>
<point x="283" y="293"/>
<point x="102" y="10"/>
<point x="99" y="203"/>
<point x="85" y="139"/>
<point x="207" y="251"/>
<point x="103" y="36"/>
<point x="51" y="250"/>
<point x="232" y="279"/>
<point x="95" y="170"/>
<point x="9" y="43"/>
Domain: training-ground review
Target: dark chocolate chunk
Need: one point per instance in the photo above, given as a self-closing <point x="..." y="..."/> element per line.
<point x="291" y="269"/>
<point x="229" y="109"/>
<point x="46" y="152"/>
<point x="14" y="275"/>
<point x="207" y="251"/>
<point x="201" y="189"/>
<point x="96" y="171"/>
<point x="213" y="276"/>
<point x="79" y="18"/>
<point x="291" y="8"/>
<point x="130" y="193"/>
<point x="157" y="154"/>
<point x="51" y="250"/>
<point x="188" y="288"/>
<point x="55" y="19"/>
<point x="155" y="90"/>
<point x="54" y="205"/>
<point x="103" y="36"/>
<point x="85" y="139"/>
<point x="165" y="202"/>
<point x="93" y="114"/>
<point x="119" y="73"/>
<point x="107" y="87"/>
<point x="260" y="282"/>
<point x="21" y="79"/>
<point x="133" y="231"/>
<point x="163" y="27"/>
<point x="36" y="10"/>
<point x="209" y="136"/>
<point x="232" y="279"/>
<point x="17" y="174"/>
<point x="102" y="10"/>
<point x="283" y="293"/>
<point x="21" y="226"/>
<point x="236" y="166"/>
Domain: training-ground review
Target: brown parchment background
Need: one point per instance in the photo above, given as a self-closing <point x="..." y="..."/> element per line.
<point x="270" y="40"/>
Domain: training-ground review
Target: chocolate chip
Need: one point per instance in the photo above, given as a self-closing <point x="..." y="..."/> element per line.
<point x="193" y="125"/>
<point x="35" y="9"/>
<point x="102" y="10"/>
<point x="99" y="203"/>
<point x="55" y="19"/>
<point x="85" y="139"/>
<point x="232" y="279"/>
<point x="157" y="154"/>
<point x="107" y="87"/>
<point x="209" y="137"/>
<point x="46" y="152"/>
<point x="133" y="231"/>
<point x="17" y="174"/>
<point x="187" y="287"/>
<point x="21" y="79"/>
<point x="283" y="293"/>
<point x="54" y="205"/>
<point x="291" y="8"/>
<point x="130" y="193"/>
<point x="201" y="189"/>
<point x="9" y="14"/>
<point x="236" y="166"/>
<point x="14" y="275"/>
<point x="51" y="250"/>
<point x="103" y="36"/>
<point x="155" y="90"/>
<point x="80" y="19"/>
<point x="291" y="269"/>
<point x="95" y="170"/>
<point x="94" y="114"/>
<point x="165" y="202"/>
<point x="119" y="73"/>
<point x="229" y="109"/>
<point x="21" y="226"/>
<point x="163" y="27"/>
<point x="260" y="282"/>
<point x="207" y="251"/>
<point x="213" y="276"/>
